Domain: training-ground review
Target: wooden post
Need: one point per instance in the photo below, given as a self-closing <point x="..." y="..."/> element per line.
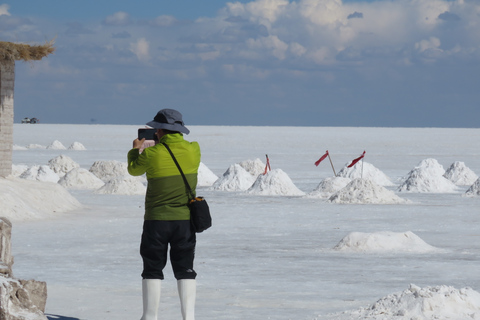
<point x="7" y="80"/>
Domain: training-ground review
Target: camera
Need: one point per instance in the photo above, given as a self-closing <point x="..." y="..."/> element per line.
<point x="148" y="134"/>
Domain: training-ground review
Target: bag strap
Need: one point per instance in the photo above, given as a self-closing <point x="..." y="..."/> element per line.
<point x="189" y="190"/>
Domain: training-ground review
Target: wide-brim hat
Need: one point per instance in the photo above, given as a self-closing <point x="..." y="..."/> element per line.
<point x="169" y="119"/>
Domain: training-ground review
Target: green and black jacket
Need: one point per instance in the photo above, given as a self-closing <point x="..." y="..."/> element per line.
<point x="166" y="197"/>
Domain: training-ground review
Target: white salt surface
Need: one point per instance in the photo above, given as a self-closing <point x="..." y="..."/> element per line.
<point x="80" y="178"/>
<point x="274" y="183"/>
<point x="328" y="186"/>
<point x="437" y="302"/>
<point x="266" y="257"/>
<point x="384" y="241"/>
<point x="427" y="177"/>
<point x="22" y="199"/>
<point x="460" y="174"/>
<point x="206" y="177"/>
<point x="236" y="178"/>
<point x="365" y="170"/>
<point x="363" y="191"/>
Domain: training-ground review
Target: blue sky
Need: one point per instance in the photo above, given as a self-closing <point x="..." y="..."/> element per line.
<point x="396" y="63"/>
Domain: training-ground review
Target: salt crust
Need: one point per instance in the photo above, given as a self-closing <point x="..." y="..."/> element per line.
<point x="80" y="178"/>
<point x="254" y="167"/>
<point x="62" y="164"/>
<point x="77" y="146"/>
<point x="206" y="177"/>
<point x="427" y="177"/>
<point x="236" y="178"/>
<point x="328" y="186"/>
<point x="126" y="185"/>
<point x="384" y="241"/>
<point x="29" y="200"/>
<point x="474" y="189"/>
<point x="40" y="173"/>
<point x="108" y="169"/>
<point x="56" y="145"/>
<point x="274" y="183"/>
<point x="363" y="191"/>
<point x="18" y="169"/>
<point x="428" y="303"/>
<point x="460" y="174"/>
<point x="365" y="170"/>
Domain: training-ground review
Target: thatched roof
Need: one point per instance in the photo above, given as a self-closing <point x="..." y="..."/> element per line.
<point x="25" y="52"/>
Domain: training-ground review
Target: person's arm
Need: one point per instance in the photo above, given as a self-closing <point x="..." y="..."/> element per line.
<point x="137" y="163"/>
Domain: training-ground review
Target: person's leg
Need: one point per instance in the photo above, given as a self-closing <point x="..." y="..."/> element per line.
<point x="187" y="291"/>
<point x="153" y="249"/>
<point x="182" y="254"/>
<point x="151" y="289"/>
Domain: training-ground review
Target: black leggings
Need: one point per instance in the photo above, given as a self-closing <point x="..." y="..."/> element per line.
<point x="156" y="237"/>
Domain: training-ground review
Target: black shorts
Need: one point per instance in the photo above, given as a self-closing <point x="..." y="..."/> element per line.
<point x="156" y="237"/>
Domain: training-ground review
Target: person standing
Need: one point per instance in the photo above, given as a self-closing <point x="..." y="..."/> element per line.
<point x="167" y="216"/>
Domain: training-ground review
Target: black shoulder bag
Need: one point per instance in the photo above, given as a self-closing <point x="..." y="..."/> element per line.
<point x="199" y="211"/>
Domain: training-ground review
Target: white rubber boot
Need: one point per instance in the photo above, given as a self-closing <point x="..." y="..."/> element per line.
<point x="187" y="290"/>
<point x="151" y="289"/>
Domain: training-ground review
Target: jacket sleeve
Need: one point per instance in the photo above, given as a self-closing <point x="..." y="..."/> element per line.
<point x="137" y="163"/>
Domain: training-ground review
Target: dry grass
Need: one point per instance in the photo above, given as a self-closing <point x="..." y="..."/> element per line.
<point x="25" y="52"/>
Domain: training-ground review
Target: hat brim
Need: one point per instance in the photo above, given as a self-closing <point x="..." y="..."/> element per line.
<point x="172" y="127"/>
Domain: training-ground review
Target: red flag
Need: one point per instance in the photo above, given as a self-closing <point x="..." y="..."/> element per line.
<point x="267" y="166"/>
<point x="321" y="159"/>
<point x="354" y="161"/>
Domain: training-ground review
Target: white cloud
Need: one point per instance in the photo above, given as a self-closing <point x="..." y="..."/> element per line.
<point x="118" y="19"/>
<point x="424" y="45"/>
<point x="141" y="49"/>
<point x="4" y="9"/>
<point x="164" y="21"/>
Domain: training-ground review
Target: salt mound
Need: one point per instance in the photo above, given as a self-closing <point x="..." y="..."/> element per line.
<point x="384" y="242"/>
<point x="328" y="186"/>
<point x="35" y="146"/>
<point x="427" y="177"/>
<point x="363" y="191"/>
<point x="18" y="169"/>
<point x="126" y="185"/>
<point x="62" y="164"/>
<point x="439" y="303"/>
<point x="460" y="174"/>
<point x="234" y="179"/>
<point x="40" y="173"/>
<point x="107" y="170"/>
<point x="254" y="167"/>
<point x="77" y="146"/>
<point x="17" y="147"/>
<point x="274" y="183"/>
<point x="205" y="176"/>
<point x="26" y="200"/>
<point x="80" y="178"/>
<point x="56" y="145"/>
<point x="474" y="190"/>
<point x="370" y="172"/>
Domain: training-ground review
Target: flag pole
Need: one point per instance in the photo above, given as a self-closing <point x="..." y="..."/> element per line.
<point x="363" y="159"/>
<point x="331" y="163"/>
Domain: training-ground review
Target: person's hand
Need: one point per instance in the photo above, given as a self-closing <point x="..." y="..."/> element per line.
<point x="137" y="144"/>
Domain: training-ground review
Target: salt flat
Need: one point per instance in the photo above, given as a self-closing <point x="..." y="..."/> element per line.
<point x="266" y="257"/>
